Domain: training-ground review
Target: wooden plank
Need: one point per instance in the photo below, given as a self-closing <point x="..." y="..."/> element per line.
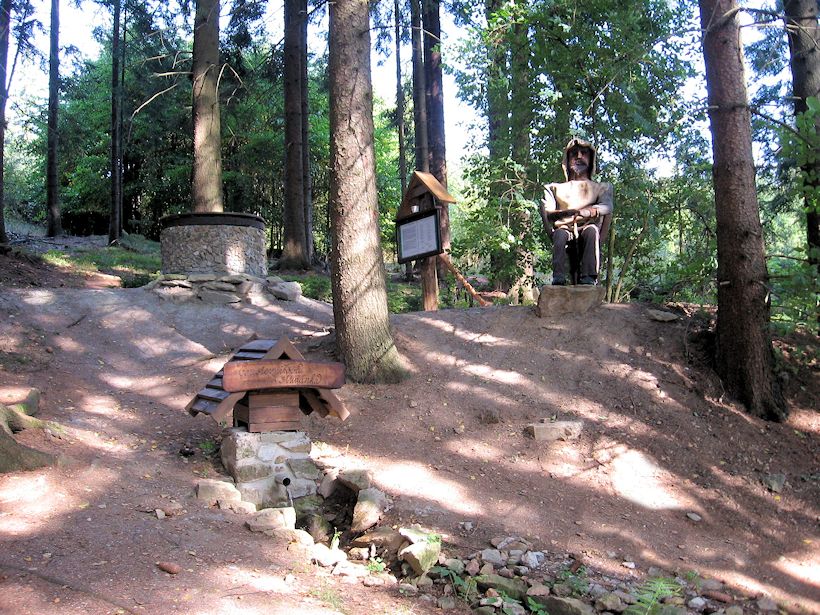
<point x="202" y="405"/>
<point x="215" y="383"/>
<point x="247" y="356"/>
<point x="285" y="397"/>
<point x="278" y="426"/>
<point x="284" y="349"/>
<point x="259" y="345"/>
<point x="309" y="402"/>
<point x="213" y="394"/>
<point x="276" y="374"/>
<point x="274" y="413"/>
<point x="337" y="408"/>
<point x="224" y="409"/>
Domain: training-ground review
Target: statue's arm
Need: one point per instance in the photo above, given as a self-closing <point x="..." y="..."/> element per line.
<point x="603" y="205"/>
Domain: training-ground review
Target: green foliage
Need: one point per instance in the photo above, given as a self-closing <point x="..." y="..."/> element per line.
<point x="466" y="588"/>
<point x="208" y="447"/>
<point x="536" y="608"/>
<point x="334" y="541"/>
<point x="376" y="564"/>
<point x="577" y="581"/>
<point x="650" y="594"/>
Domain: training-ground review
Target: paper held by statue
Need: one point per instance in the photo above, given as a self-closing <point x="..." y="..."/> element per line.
<point x="419" y="235"/>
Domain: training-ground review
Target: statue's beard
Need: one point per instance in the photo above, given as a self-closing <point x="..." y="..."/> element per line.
<point x="578" y="169"/>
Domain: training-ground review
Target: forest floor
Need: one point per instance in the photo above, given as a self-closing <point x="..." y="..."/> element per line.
<point x="660" y="441"/>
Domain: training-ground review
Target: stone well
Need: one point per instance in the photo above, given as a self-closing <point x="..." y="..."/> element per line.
<point x="230" y="243"/>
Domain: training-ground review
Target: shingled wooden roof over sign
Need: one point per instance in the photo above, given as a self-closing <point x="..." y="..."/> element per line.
<point x="218" y="403"/>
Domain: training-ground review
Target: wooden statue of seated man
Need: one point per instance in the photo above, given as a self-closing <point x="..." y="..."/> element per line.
<point x="576" y="215"/>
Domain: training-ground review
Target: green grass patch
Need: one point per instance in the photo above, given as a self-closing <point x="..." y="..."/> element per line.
<point x="401" y="297"/>
<point x="136" y="262"/>
<point x="314" y="285"/>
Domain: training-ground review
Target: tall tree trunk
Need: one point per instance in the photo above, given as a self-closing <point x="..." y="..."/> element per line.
<point x="419" y="90"/>
<point x="115" y="219"/>
<point x="207" y="166"/>
<point x="744" y="356"/>
<point x="804" y="38"/>
<point x="521" y="120"/>
<point x="5" y="35"/>
<point x="400" y="126"/>
<point x="363" y="335"/>
<point x="400" y="99"/>
<point x="121" y="124"/>
<point x="497" y="93"/>
<point x="294" y="253"/>
<point x="435" y="105"/>
<point x="307" y="180"/>
<point x="54" y="223"/>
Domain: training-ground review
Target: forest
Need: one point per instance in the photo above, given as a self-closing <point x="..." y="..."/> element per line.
<point x="114" y="149"/>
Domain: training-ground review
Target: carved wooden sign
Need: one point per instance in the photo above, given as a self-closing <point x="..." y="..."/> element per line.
<point x="282" y="374"/>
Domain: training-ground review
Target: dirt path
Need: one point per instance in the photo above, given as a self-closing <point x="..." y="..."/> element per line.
<point x="117" y="367"/>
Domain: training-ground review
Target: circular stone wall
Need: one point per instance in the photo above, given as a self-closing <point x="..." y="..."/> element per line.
<point x="214" y="243"/>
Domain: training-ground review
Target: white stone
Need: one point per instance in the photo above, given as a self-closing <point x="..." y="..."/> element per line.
<point x="273" y="519"/>
<point x="555" y="430"/>
<point x="369" y="508"/>
<point x="287" y="291"/>
<point x="211" y="490"/>
<point x="325" y="556"/>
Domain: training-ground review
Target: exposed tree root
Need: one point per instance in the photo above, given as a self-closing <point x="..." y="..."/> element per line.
<point x="17" y="417"/>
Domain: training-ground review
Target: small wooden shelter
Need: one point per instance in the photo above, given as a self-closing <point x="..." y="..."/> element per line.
<point x="268" y="407"/>
<point x="425" y="193"/>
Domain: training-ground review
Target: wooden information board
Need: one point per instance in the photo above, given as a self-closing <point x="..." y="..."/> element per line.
<point x="278" y="374"/>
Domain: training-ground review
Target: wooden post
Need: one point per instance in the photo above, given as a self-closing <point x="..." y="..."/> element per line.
<point x="429" y="284"/>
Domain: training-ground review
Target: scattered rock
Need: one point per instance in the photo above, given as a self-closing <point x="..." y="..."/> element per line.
<point x="446" y="603"/>
<point x="211" y="490"/>
<point x="300" y="537"/>
<point x="610" y="602"/>
<point x="734" y="610"/>
<point x="717" y="595"/>
<point x="373" y="581"/>
<point x="554" y="430"/>
<point x="693" y="516"/>
<point x="408" y="589"/>
<point x="538" y="589"/>
<point x="287" y="291"/>
<point x="564" y="606"/>
<point x="325" y="556"/>
<point x="493" y="556"/>
<point x="696" y="604"/>
<point x="472" y="567"/>
<point x="384" y="538"/>
<point x="514" y="588"/>
<point x="775" y="482"/>
<point x="169" y="567"/>
<point x="369" y="508"/>
<point x="533" y="559"/>
<point x="766" y="604"/>
<point x="421" y="555"/>
<point x="661" y="316"/>
<point x="272" y="519"/>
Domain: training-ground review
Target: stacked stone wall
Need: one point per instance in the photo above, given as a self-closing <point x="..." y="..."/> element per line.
<point x="212" y="248"/>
